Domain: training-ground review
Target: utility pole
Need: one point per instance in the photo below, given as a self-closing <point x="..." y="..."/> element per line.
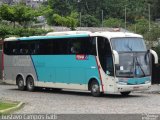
<point x="149" y="24"/>
<point x="149" y="17"/>
<point x="125" y="18"/>
<point x="80" y="14"/>
<point x="102" y="18"/>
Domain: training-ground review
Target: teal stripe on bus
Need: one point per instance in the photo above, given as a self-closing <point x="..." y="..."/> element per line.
<point x="52" y="37"/>
<point x="65" y="69"/>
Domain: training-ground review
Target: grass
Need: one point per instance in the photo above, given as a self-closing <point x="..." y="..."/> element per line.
<point x="6" y="105"/>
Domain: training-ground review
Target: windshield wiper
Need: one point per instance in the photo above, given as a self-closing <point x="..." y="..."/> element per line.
<point x="140" y="66"/>
<point x="129" y="47"/>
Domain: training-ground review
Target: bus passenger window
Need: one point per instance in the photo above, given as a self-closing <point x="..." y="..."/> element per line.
<point x="75" y="47"/>
<point x="14" y="51"/>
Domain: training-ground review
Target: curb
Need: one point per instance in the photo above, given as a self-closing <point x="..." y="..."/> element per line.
<point x="2" y="82"/>
<point x="12" y="108"/>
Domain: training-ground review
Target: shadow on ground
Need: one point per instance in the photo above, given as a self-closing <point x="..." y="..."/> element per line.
<point x="79" y="93"/>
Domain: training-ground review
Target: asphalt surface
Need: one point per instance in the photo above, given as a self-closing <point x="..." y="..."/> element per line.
<point x="75" y="102"/>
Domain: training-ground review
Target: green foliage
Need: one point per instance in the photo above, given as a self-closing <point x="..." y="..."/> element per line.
<point x="113" y="23"/>
<point x="4" y="31"/>
<point x="89" y="21"/>
<point x="7" y="31"/>
<point x="153" y="35"/>
<point x="70" y="21"/>
<point x="114" y="10"/>
<point x="7" y="13"/>
<point x="155" y="8"/>
<point x="18" y="13"/>
<point x="29" y="32"/>
<point x="47" y="12"/>
<point x="21" y="16"/>
<point x="157" y="49"/>
<point x="141" y="26"/>
<point x="61" y="7"/>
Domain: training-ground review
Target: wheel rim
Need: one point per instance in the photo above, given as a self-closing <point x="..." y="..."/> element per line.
<point x="30" y="84"/>
<point x="95" y="88"/>
<point x="20" y="83"/>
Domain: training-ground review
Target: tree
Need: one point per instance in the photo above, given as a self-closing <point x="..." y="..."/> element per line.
<point x="7" y="13"/>
<point x="89" y="21"/>
<point x="141" y="26"/>
<point x="18" y="13"/>
<point x="113" y="22"/>
<point x="61" y="7"/>
<point x="4" y="31"/>
<point x="70" y="21"/>
<point x="155" y="8"/>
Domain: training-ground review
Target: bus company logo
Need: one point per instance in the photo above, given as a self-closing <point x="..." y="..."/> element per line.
<point x="81" y="57"/>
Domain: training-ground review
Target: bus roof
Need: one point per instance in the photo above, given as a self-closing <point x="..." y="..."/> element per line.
<point x="73" y="34"/>
<point x="110" y="35"/>
<point x="53" y="35"/>
<point x="67" y="33"/>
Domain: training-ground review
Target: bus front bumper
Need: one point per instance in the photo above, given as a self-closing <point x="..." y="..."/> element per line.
<point x="140" y="87"/>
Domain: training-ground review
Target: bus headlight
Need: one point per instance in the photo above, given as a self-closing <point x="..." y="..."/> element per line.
<point x="122" y="83"/>
<point x="146" y="82"/>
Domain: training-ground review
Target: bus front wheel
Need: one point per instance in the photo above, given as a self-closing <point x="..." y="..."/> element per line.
<point x="30" y="84"/>
<point x="125" y="93"/>
<point x="20" y="83"/>
<point x="95" y="89"/>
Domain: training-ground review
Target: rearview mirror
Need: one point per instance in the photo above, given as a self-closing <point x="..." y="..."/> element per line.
<point x="155" y="56"/>
<point x="116" y="56"/>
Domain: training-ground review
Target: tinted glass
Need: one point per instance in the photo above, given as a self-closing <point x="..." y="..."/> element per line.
<point x="128" y="44"/>
<point x="51" y="47"/>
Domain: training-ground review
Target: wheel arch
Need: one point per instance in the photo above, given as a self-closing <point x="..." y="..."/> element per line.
<point x="20" y="75"/>
<point x="91" y="80"/>
<point x="30" y="75"/>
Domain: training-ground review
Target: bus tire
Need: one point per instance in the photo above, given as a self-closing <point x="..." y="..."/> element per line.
<point x="56" y="89"/>
<point x="125" y="93"/>
<point x="30" y="84"/>
<point x="20" y="83"/>
<point x="95" y="89"/>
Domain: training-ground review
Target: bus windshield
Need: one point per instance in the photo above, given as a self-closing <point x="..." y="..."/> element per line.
<point x="128" y="44"/>
<point x="133" y="65"/>
<point x="133" y="57"/>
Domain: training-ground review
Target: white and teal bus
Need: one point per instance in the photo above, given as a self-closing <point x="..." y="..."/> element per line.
<point x="100" y="62"/>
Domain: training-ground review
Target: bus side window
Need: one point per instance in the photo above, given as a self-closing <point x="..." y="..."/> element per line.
<point x="23" y="48"/>
<point x="92" y="46"/>
<point x="10" y="48"/>
<point x="85" y="46"/>
<point x="14" y="51"/>
<point x="76" y="47"/>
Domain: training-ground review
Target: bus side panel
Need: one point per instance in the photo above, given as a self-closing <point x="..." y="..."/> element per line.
<point x="14" y="65"/>
<point x="65" y="69"/>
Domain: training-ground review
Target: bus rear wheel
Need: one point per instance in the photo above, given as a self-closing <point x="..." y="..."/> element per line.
<point x="20" y="83"/>
<point x="30" y="84"/>
<point x="125" y="93"/>
<point x="95" y="89"/>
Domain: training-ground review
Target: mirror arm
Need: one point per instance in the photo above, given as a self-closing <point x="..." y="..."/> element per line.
<point x="155" y="56"/>
<point x="116" y="57"/>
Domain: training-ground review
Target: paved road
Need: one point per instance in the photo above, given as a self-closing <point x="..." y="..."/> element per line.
<point x="44" y="101"/>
